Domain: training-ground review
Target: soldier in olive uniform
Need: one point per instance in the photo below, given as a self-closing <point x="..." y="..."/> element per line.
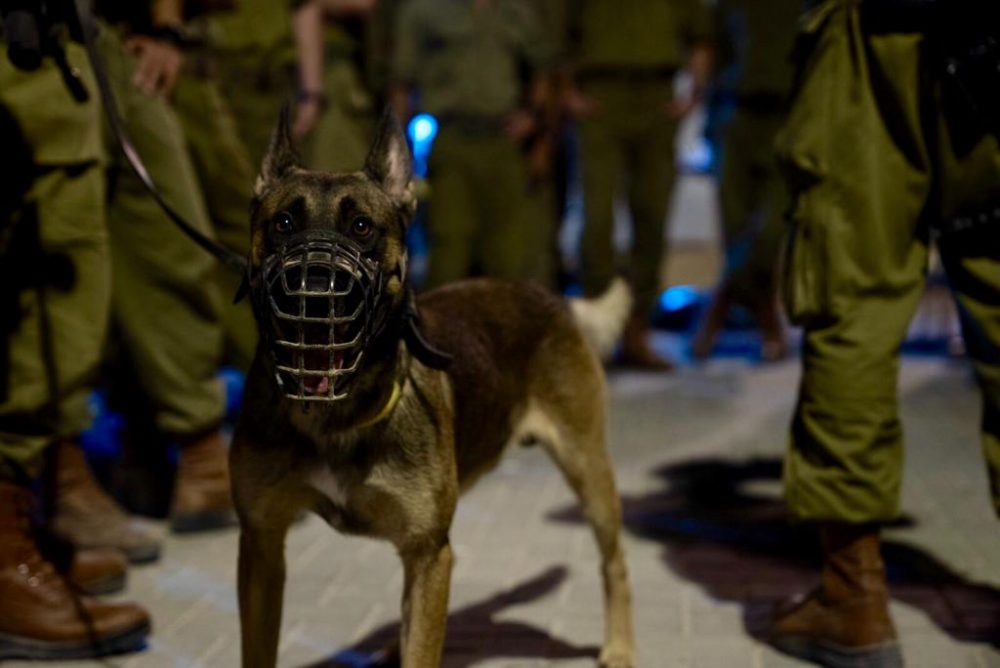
<point x="54" y="299"/>
<point x="335" y="114"/>
<point x="463" y="58"/>
<point x="165" y="304"/>
<point x="223" y="167"/>
<point x="892" y="137"/>
<point x="756" y="38"/>
<point x="626" y="55"/>
<point x="255" y="53"/>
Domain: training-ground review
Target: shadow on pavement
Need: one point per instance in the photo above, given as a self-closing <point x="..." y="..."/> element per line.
<point x="474" y="634"/>
<point x="737" y="543"/>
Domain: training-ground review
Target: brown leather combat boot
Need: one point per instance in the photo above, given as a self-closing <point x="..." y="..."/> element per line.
<point x="41" y="617"/>
<point x="98" y="571"/>
<point x="844" y="623"/>
<point x="636" y="351"/>
<point x="85" y="515"/>
<point x="202" y="500"/>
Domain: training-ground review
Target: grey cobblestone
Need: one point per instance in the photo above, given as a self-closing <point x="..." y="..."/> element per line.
<point x="526" y="590"/>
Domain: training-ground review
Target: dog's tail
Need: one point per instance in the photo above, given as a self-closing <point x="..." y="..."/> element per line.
<point x="602" y="318"/>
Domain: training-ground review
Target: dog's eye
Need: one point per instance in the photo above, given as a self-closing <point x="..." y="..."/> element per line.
<point x="361" y="227"/>
<point x="283" y="223"/>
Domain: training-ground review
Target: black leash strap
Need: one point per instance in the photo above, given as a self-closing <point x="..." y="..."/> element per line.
<point x="230" y="258"/>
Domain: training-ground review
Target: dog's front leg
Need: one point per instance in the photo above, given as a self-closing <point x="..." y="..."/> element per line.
<point x="425" y="603"/>
<point x="261" y="589"/>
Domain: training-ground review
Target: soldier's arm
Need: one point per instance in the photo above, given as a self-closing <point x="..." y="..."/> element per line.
<point x="307" y="26"/>
<point x="699" y="34"/>
<point x="405" y="60"/>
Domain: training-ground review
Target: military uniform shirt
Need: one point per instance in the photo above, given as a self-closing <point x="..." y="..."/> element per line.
<point x="636" y="34"/>
<point x="466" y="61"/>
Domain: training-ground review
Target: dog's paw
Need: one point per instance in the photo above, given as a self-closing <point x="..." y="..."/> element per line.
<point x="617" y="655"/>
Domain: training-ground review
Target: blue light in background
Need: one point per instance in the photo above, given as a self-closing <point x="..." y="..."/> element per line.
<point x="422" y="130"/>
<point x="678" y="298"/>
<point x="423" y="127"/>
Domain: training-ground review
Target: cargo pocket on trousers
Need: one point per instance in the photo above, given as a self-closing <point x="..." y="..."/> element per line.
<point x="803" y="147"/>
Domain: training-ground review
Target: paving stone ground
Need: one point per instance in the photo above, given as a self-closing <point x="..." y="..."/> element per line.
<point x="698" y="462"/>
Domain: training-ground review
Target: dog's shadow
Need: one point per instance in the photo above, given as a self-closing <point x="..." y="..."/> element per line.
<point x="474" y="633"/>
<point x="724" y="527"/>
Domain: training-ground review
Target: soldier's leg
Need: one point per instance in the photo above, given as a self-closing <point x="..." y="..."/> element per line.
<point x="737" y="185"/>
<point x="752" y="257"/>
<point x="56" y="291"/>
<point x="651" y="182"/>
<point x="507" y="243"/>
<point x="165" y="302"/>
<point x="53" y="309"/>
<point x="452" y="213"/>
<point x="973" y="266"/>
<point x="602" y="160"/>
<point x="226" y="178"/>
<point x="972" y="261"/>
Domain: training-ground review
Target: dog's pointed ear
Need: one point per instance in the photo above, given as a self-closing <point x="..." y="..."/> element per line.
<point x="281" y="158"/>
<point x="389" y="163"/>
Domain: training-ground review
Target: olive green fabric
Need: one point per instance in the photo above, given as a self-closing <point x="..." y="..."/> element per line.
<point x="757" y="36"/>
<point x="628" y="147"/>
<point x="340" y="140"/>
<point x="165" y="302"/>
<point x="255" y="25"/>
<point x="255" y="54"/>
<point x="256" y="87"/>
<point x="69" y="246"/>
<point x="478" y="188"/>
<point x="465" y="61"/>
<point x="226" y="178"/>
<point x="753" y="201"/>
<point x="872" y="162"/>
<point x="636" y="34"/>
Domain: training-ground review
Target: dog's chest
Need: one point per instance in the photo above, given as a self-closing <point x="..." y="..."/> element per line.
<point x="333" y="504"/>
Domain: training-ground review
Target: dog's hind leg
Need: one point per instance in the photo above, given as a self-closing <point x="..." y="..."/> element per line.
<point x="580" y="453"/>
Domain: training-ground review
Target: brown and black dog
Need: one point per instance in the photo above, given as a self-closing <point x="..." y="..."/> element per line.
<point x="403" y="437"/>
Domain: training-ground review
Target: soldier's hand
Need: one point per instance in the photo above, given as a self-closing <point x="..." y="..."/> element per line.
<point x="579" y="105"/>
<point x="158" y="63"/>
<point x="678" y="108"/>
<point x="520" y="125"/>
<point x="307" y="115"/>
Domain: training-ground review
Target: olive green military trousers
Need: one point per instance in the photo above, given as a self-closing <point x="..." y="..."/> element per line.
<point x="165" y="302"/>
<point x="340" y="140"/>
<point x="873" y="161"/>
<point x="753" y="200"/>
<point x="627" y="148"/>
<point x="478" y="184"/>
<point x="256" y="85"/>
<point x="54" y="255"/>
<point x="226" y="177"/>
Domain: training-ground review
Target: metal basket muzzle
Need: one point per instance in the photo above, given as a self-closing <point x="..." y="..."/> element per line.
<point x="317" y="305"/>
